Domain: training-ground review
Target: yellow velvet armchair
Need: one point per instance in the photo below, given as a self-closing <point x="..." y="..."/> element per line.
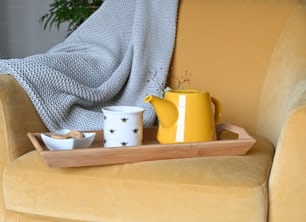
<point x="251" y="55"/>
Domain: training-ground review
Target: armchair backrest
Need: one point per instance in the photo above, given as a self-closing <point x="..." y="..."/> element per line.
<point x="237" y="50"/>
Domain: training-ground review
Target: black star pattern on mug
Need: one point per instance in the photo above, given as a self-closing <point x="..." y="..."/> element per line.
<point x="135" y="130"/>
<point x="112" y="131"/>
<point x="124" y="119"/>
<point x="124" y="143"/>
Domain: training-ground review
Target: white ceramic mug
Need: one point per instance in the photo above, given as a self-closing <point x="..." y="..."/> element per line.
<point x="123" y="126"/>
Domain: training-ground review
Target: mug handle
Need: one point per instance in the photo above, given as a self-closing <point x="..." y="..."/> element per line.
<point x="218" y="109"/>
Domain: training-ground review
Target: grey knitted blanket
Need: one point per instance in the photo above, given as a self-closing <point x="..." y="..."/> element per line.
<point x="117" y="56"/>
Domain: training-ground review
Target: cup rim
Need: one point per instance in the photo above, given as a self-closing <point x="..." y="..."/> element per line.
<point x="122" y="109"/>
<point x="187" y="91"/>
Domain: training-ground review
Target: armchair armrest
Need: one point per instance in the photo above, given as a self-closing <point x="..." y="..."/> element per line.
<point x="288" y="176"/>
<point x="17" y="117"/>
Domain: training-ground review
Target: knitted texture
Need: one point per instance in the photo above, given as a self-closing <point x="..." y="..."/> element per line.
<point x="117" y="56"/>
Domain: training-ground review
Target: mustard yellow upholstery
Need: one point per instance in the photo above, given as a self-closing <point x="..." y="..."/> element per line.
<point x="251" y="55"/>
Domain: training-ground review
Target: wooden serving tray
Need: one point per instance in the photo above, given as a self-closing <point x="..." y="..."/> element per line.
<point x="96" y="154"/>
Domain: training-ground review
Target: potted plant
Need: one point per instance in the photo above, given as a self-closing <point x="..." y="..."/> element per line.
<point x="73" y="12"/>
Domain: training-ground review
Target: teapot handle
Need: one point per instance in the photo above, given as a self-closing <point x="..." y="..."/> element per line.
<point x="218" y="109"/>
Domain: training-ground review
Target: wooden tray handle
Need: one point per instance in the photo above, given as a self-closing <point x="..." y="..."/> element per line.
<point x="242" y="134"/>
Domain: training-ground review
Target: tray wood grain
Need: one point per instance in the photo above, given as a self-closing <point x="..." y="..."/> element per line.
<point x="150" y="150"/>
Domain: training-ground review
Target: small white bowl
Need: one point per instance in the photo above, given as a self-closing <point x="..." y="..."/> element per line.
<point x="68" y="144"/>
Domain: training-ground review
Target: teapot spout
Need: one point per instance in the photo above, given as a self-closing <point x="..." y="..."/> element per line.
<point x="166" y="111"/>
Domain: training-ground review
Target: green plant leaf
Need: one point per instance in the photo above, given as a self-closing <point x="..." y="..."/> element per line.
<point x="74" y="12"/>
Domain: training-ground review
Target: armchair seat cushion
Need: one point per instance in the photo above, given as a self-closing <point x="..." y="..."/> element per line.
<point x="145" y="191"/>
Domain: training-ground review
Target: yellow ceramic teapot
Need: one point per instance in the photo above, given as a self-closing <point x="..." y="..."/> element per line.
<point x="186" y="116"/>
